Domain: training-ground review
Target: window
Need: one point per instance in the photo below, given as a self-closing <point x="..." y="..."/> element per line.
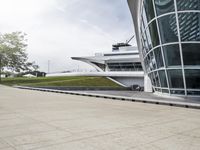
<point x="189" y="24"/>
<point x="148" y="4"/>
<point x="125" y="66"/>
<point x="172" y="55"/>
<point x="175" y="78"/>
<point x="150" y="43"/>
<point x="193" y="92"/>
<point x="164" y="6"/>
<point x="188" y="4"/>
<point x="142" y="28"/>
<point x="152" y="61"/>
<point x="165" y="91"/>
<point x="163" y="80"/>
<point x="144" y="19"/>
<point x="145" y="42"/>
<point x="146" y="65"/>
<point x="151" y="76"/>
<point x="154" y="34"/>
<point x="158" y="56"/>
<point x="168" y="29"/>
<point x="192" y="79"/>
<point x="178" y="92"/>
<point x="157" y="79"/>
<point x="191" y="54"/>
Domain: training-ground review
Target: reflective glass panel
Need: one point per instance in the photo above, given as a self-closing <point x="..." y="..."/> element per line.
<point x="193" y="92"/>
<point x="154" y="34"/>
<point x="158" y="56"/>
<point x="168" y="28"/>
<point x="175" y="78"/>
<point x="157" y="89"/>
<point x="143" y="47"/>
<point x="172" y="55"/>
<point x="147" y="62"/>
<point x="163" y="80"/>
<point x="152" y="61"/>
<point x="144" y="18"/>
<point x="189" y="24"/>
<point x="149" y="39"/>
<point x="143" y="52"/>
<point x="157" y="79"/>
<point x="164" y="6"/>
<point x="145" y="42"/>
<point x="151" y="76"/>
<point x="191" y="54"/>
<point x="192" y="78"/>
<point x="142" y="27"/>
<point x="179" y="92"/>
<point x="148" y="4"/>
<point x="165" y="91"/>
<point x="188" y="4"/>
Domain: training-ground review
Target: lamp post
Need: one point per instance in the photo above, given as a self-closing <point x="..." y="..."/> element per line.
<point x="0" y="65"/>
<point x="48" y="66"/>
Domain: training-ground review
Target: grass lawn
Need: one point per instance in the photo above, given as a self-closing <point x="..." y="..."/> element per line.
<point x="61" y="81"/>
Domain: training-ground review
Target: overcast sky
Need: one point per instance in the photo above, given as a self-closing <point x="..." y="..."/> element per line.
<point x="59" y="29"/>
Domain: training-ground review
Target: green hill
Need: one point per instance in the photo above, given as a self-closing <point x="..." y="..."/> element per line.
<point x="61" y="81"/>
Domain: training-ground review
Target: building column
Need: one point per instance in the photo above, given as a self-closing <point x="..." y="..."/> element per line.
<point x="147" y="84"/>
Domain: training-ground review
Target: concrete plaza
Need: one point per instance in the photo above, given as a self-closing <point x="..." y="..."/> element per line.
<point x="53" y="121"/>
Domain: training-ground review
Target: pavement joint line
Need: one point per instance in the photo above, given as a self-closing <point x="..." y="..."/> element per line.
<point x="114" y="97"/>
<point x="74" y="140"/>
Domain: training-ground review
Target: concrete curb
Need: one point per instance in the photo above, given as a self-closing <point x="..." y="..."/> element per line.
<point x="124" y="98"/>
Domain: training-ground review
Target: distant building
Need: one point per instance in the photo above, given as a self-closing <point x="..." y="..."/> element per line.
<point x="29" y="76"/>
<point x="34" y="73"/>
<point x="122" y="65"/>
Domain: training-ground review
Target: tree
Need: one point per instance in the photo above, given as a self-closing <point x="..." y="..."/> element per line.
<point x="13" y="54"/>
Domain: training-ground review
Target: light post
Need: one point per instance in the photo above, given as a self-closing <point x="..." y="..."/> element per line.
<point x="0" y="65"/>
<point x="48" y="66"/>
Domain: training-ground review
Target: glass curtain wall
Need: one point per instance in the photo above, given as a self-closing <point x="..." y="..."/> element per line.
<point x="170" y="40"/>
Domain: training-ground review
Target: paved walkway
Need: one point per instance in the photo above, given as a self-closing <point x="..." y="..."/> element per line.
<point x="53" y="121"/>
<point x="146" y="95"/>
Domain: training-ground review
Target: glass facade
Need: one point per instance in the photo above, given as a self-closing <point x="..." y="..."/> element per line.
<point x="170" y="44"/>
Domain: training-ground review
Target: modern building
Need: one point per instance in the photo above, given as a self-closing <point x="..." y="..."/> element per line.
<point x="168" y="38"/>
<point x="122" y="65"/>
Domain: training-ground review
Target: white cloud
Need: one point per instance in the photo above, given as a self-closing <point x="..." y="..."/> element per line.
<point x="59" y="29"/>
